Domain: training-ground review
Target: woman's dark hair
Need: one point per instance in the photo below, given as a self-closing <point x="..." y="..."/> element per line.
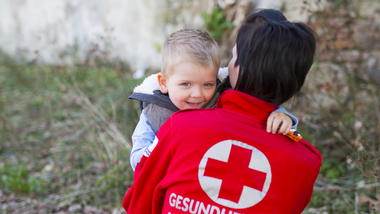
<point x="274" y="56"/>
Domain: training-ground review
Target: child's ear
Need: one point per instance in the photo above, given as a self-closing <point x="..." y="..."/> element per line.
<point x="162" y="81"/>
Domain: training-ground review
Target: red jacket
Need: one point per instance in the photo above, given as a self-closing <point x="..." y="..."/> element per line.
<point x="222" y="161"/>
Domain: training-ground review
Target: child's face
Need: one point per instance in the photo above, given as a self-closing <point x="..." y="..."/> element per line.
<point x="233" y="71"/>
<point x="190" y="85"/>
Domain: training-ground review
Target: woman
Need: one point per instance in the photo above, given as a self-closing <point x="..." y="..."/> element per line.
<point x="222" y="160"/>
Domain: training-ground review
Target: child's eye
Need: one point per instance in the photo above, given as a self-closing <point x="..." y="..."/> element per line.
<point x="185" y="84"/>
<point x="208" y="84"/>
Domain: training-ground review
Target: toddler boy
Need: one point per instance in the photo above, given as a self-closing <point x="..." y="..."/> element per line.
<point x="188" y="79"/>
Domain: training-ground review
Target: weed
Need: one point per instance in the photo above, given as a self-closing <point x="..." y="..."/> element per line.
<point x="216" y="23"/>
<point x="64" y="128"/>
<point x="18" y="179"/>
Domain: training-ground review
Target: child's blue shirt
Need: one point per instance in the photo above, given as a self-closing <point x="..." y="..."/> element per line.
<point x="142" y="138"/>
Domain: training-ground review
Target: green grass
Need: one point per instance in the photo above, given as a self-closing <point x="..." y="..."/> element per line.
<point x="66" y="130"/>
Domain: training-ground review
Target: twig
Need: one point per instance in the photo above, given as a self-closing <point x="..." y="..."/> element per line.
<point x="335" y="187"/>
<point x="59" y="198"/>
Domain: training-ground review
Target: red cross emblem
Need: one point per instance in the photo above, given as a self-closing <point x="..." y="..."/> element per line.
<point x="235" y="174"/>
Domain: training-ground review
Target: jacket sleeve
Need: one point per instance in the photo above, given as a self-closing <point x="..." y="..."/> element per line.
<point x="148" y="191"/>
<point x="294" y="119"/>
<point x="142" y="138"/>
<point x="147" y="153"/>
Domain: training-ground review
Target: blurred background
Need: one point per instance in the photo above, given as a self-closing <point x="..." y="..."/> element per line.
<point x="67" y="68"/>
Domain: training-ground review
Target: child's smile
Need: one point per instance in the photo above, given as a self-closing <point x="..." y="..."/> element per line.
<point x="190" y="85"/>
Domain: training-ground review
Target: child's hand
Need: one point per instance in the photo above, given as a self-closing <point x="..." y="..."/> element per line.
<point x="274" y="121"/>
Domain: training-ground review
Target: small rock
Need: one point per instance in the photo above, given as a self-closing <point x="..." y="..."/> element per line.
<point x="118" y="211"/>
<point x="42" y="211"/>
<point x="350" y="55"/>
<point x="63" y="205"/>
<point x="13" y="204"/>
<point x="90" y="210"/>
<point x="75" y="208"/>
<point x="4" y="206"/>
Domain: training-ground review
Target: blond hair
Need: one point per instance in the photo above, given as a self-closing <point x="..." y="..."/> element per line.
<point x="190" y="45"/>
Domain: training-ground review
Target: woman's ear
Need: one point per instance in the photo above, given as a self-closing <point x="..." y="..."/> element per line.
<point x="162" y="81"/>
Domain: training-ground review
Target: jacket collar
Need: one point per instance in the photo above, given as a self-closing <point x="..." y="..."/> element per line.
<point x="246" y="104"/>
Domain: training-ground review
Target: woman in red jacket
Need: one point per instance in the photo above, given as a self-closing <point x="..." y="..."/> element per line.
<point x="222" y="160"/>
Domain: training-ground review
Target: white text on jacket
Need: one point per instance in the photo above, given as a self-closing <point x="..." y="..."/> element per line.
<point x="195" y="207"/>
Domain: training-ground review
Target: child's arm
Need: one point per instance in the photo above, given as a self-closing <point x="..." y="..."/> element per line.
<point x="279" y="116"/>
<point x="142" y="138"/>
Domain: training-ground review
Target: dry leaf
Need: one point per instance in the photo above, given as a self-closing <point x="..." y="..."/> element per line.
<point x="364" y="199"/>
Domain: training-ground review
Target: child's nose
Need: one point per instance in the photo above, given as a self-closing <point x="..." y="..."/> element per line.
<point x="196" y="92"/>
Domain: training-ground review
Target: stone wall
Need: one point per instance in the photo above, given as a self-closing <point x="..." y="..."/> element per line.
<point x="348" y="55"/>
<point x="134" y="31"/>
